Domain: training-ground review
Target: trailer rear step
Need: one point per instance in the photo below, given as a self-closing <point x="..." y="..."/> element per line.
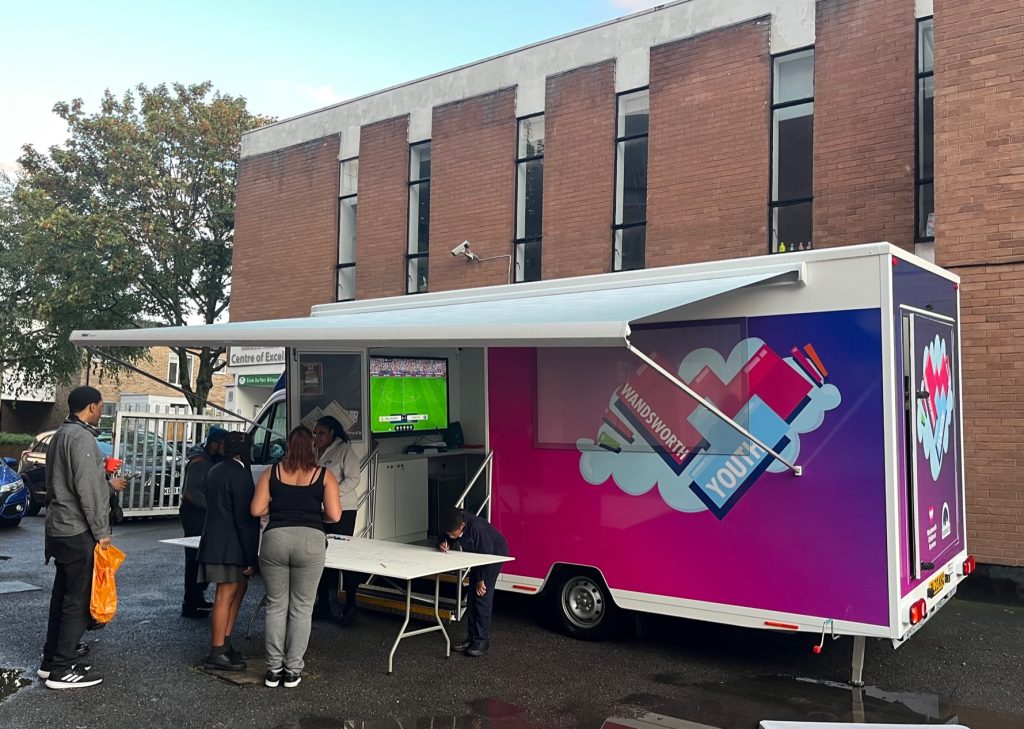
<point x="386" y="599"/>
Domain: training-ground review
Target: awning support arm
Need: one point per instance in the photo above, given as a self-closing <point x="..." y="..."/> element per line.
<point x="215" y="406"/>
<point x="797" y="470"/>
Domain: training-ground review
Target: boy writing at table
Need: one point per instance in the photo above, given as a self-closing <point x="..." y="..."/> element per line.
<point x="474" y="534"/>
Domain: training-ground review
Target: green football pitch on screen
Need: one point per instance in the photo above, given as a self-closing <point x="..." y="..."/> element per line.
<point x="408" y="404"/>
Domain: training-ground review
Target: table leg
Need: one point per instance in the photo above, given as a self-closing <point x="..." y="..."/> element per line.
<point x="401" y="632"/>
<point x="437" y="616"/>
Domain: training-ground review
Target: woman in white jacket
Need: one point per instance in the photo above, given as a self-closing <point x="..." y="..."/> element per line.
<point x="335" y="453"/>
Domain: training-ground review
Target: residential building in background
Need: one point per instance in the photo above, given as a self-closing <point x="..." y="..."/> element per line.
<point x="695" y="131"/>
<point x="135" y="392"/>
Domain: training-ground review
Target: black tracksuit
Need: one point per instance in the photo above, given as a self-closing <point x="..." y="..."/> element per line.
<point x="482" y="538"/>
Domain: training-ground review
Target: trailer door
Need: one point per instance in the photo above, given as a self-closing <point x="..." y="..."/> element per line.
<point x="932" y="418"/>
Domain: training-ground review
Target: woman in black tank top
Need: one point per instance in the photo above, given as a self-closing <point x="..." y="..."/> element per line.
<point x="299" y="497"/>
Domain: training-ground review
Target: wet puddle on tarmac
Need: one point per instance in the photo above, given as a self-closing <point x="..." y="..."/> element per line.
<point x="11" y="681"/>
<point x="739" y="704"/>
<point x="746" y="702"/>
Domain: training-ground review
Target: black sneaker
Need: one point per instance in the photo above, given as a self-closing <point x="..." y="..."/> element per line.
<point x="74" y="677"/>
<point x="273" y="678"/>
<point x="44" y="670"/>
<point x="291" y="678"/>
<point x="460" y="647"/>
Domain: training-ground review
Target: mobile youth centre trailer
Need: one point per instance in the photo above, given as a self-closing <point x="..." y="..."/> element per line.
<point x="770" y="442"/>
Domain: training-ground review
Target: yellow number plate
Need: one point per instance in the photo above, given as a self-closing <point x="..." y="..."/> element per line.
<point x="936" y="585"/>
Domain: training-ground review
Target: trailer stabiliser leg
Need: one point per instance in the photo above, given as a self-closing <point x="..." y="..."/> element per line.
<point x="858" y="661"/>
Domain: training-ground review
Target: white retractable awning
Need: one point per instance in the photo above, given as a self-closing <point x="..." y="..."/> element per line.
<point x="595" y="311"/>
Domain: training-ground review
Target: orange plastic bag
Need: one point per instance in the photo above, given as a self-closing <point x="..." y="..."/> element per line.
<point x="103" y="604"/>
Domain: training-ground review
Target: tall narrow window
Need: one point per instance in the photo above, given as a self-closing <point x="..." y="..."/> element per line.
<point x="347" y="229"/>
<point x="175" y="371"/>
<point x="630" y="224"/>
<point x="792" y="192"/>
<point x="529" y="197"/>
<point x="419" y="218"/>
<point x="925" y="168"/>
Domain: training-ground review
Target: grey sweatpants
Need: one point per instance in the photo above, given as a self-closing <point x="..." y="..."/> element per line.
<point x="291" y="560"/>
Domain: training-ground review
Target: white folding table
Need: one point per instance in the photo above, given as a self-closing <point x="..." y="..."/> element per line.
<point x="397" y="561"/>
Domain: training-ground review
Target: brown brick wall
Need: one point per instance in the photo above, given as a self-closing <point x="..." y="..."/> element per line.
<point x="979" y="206"/>
<point x="708" y="166"/>
<point x="286" y="232"/>
<point x="472" y="189"/>
<point x="864" y="122"/>
<point x="155" y="363"/>
<point x="382" y="228"/>
<point x="579" y="169"/>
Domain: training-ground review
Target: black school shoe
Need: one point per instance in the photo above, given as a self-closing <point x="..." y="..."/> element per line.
<point x="461" y="647"/>
<point x="223" y="662"/>
<point x="348" y="615"/>
<point x="196" y="611"/>
<point x="74" y="677"/>
<point x="478" y="648"/>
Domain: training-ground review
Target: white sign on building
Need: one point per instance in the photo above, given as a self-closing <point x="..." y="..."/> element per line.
<point x="255" y="356"/>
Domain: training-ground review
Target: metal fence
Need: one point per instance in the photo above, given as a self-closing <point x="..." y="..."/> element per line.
<point x="152" y="446"/>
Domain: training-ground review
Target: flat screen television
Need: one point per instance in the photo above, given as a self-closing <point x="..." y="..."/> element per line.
<point x="408" y="395"/>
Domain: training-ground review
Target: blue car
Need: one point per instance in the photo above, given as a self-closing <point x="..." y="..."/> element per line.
<point x="14" y="498"/>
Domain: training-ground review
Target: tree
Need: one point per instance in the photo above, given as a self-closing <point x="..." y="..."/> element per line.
<point x="129" y="223"/>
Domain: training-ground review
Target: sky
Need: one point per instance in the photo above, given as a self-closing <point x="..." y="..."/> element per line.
<point x="285" y="58"/>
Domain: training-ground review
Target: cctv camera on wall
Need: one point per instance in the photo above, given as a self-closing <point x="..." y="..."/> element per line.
<point x="462" y="249"/>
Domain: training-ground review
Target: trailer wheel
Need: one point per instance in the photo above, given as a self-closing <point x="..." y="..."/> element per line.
<point x="585" y="608"/>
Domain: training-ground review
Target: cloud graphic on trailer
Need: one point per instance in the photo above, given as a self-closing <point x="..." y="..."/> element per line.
<point x="638" y="471"/>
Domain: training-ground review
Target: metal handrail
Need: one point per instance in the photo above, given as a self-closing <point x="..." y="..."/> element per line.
<point x="460" y="608"/>
<point x="460" y="503"/>
<point x="369" y="464"/>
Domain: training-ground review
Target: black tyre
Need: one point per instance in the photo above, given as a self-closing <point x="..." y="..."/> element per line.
<point x="584" y="608"/>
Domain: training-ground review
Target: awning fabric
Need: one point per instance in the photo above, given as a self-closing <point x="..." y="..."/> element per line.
<point x="534" y="315"/>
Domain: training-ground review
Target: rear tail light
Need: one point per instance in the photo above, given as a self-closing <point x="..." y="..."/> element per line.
<point x="918" y="611"/>
<point x="969" y="566"/>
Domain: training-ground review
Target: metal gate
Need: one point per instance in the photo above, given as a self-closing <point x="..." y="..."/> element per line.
<point x="152" y="447"/>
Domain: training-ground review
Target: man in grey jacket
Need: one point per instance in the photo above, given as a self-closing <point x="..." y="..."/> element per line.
<point x="77" y="519"/>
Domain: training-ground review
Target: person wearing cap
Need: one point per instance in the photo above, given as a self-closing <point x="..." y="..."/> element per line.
<point x="199" y="460"/>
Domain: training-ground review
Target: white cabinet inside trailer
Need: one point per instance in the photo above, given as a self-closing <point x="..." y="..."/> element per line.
<point x="401" y="511"/>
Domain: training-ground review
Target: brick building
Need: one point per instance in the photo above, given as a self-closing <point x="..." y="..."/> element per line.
<point x="131" y="391"/>
<point x="694" y="131"/>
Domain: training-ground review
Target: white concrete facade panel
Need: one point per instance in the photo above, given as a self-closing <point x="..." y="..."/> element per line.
<point x="627" y="40"/>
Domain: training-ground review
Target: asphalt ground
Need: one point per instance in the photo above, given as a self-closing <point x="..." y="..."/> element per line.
<point x="965" y="665"/>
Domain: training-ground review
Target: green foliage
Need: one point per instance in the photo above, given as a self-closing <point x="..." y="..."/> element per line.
<point x="129" y="223"/>
<point x="15" y="439"/>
